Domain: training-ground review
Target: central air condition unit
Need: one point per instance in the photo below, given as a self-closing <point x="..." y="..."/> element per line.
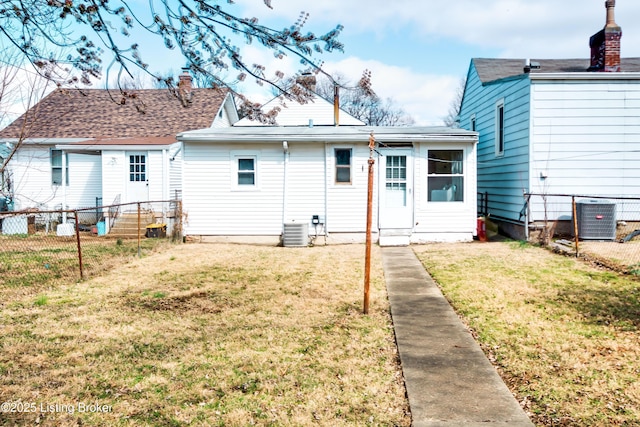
<point x="596" y="220"/>
<point x="295" y="235"/>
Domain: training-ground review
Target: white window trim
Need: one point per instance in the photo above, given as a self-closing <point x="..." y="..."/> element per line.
<point x="438" y="206"/>
<point x="335" y="166"/>
<point x="235" y="157"/>
<point x="498" y="134"/>
<point x="64" y="167"/>
<point x="473" y="124"/>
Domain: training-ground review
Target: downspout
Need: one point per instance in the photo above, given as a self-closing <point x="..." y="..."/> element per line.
<point x="285" y="149"/>
<point x="326" y="195"/>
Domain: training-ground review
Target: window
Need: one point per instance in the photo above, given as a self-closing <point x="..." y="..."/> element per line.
<point x="500" y="128"/>
<point x="247" y="171"/>
<point x="137" y="168"/>
<point x="446" y="176"/>
<point x="396" y="181"/>
<point x="56" y="167"/>
<point x="472" y="121"/>
<point x="343" y="165"/>
<point x="243" y="169"/>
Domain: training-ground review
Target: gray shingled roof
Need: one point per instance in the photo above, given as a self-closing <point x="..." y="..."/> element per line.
<point x="490" y="69"/>
<point x="93" y="113"/>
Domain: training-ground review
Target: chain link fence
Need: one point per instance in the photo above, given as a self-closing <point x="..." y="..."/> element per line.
<point x="40" y="248"/>
<point x="605" y="230"/>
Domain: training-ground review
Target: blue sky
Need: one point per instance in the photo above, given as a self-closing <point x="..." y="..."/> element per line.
<point x="419" y="50"/>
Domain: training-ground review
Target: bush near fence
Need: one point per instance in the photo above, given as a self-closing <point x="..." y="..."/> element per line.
<point x="40" y="248"/>
<point x="603" y="229"/>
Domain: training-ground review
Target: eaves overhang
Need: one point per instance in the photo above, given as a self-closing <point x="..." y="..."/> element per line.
<point x="330" y="134"/>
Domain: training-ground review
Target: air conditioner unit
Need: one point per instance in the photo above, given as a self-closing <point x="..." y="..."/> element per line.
<point x="596" y="220"/>
<point x="295" y="235"/>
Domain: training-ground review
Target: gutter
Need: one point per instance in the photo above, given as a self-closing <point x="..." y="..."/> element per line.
<point x="591" y="75"/>
<point x="258" y="137"/>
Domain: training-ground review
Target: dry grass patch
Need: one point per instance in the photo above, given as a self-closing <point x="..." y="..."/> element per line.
<point x="210" y="335"/>
<point x="563" y="334"/>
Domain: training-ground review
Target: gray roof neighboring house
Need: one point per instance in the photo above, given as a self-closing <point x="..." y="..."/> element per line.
<point x="492" y="69"/>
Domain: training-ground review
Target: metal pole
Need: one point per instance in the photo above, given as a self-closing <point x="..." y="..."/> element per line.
<point x="367" y="259"/>
<point x="336" y="105"/>
<point x="79" y="246"/>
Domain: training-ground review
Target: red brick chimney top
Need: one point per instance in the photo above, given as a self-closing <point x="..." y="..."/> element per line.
<point x="184" y="87"/>
<point x="605" y="44"/>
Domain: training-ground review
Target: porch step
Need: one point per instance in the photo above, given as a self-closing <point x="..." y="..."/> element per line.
<point x="394" y="236"/>
<point x="126" y="225"/>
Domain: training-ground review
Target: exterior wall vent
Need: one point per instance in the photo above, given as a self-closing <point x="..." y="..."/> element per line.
<point x="596" y="220"/>
<point x="295" y="235"/>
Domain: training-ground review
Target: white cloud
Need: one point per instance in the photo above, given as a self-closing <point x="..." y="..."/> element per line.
<point x="520" y="28"/>
<point x="425" y="97"/>
<point x="502" y="28"/>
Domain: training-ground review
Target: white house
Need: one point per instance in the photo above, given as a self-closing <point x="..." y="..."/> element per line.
<point x="249" y="183"/>
<point x="79" y="148"/>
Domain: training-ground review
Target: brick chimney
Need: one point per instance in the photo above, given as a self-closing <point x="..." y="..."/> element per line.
<point x="605" y="44"/>
<point x="184" y="87"/>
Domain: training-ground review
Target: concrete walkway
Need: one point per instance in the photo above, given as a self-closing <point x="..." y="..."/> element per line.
<point x="449" y="380"/>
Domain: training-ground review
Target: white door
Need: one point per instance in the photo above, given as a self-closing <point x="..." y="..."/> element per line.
<point x="138" y="177"/>
<point x="396" y="189"/>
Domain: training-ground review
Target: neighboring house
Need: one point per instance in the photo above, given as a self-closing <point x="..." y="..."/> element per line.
<point x="315" y="112"/>
<point x="5" y="196"/>
<point x="554" y="126"/>
<point x="250" y="183"/>
<point x="82" y="147"/>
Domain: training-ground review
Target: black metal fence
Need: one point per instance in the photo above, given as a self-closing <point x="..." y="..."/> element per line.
<point x="40" y="247"/>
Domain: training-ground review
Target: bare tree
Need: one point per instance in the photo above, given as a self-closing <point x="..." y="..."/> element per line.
<point x="20" y="89"/>
<point x="205" y="32"/>
<point x="359" y="100"/>
<point x="452" y="119"/>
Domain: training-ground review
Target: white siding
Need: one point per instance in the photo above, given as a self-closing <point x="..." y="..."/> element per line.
<point x="585" y="140"/>
<point x="212" y="203"/>
<point x="305" y="187"/>
<point x="227" y="115"/>
<point x="215" y="206"/>
<point x="31" y="177"/>
<point x="175" y="171"/>
<point x="291" y="113"/>
<point x="114" y="169"/>
<point x="347" y="203"/>
<point x="445" y="220"/>
<point x="85" y="179"/>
